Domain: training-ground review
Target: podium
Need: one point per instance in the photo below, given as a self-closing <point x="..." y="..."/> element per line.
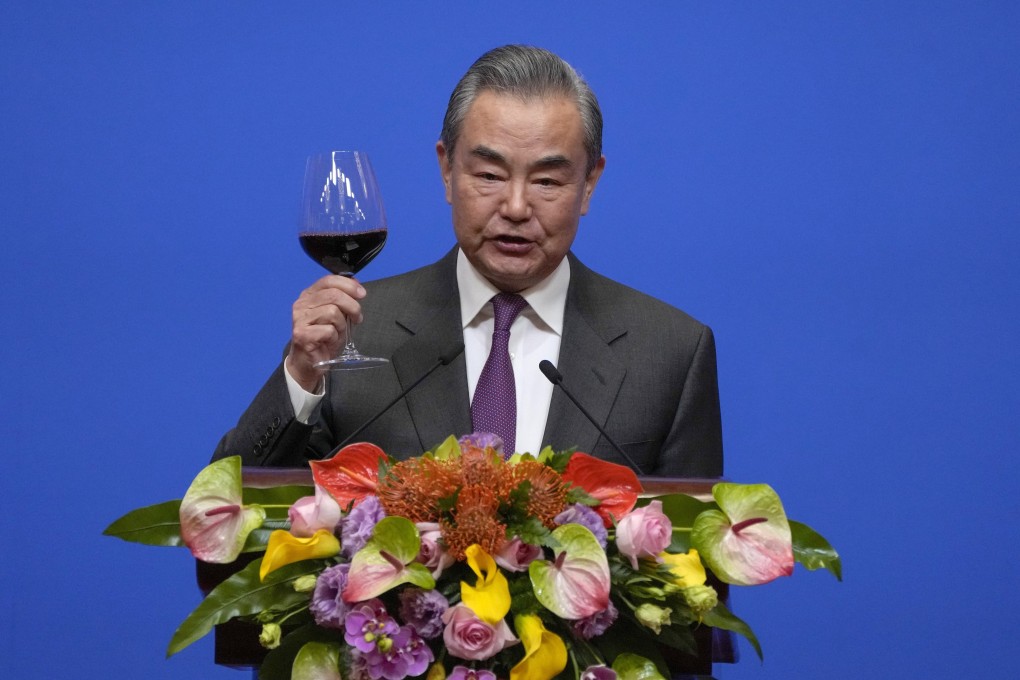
<point x="236" y="643"/>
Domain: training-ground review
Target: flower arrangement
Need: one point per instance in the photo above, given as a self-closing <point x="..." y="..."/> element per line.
<point x="460" y="565"/>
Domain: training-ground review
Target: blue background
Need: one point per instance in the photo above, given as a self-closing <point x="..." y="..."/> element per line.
<point x="833" y="187"/>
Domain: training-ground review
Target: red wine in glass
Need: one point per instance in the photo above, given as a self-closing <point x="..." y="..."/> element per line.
<point x="343" y="254"/>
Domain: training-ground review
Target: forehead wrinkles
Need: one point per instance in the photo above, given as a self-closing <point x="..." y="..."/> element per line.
<point x="537" y="131"/>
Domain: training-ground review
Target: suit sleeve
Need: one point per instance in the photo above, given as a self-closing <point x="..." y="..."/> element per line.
<point x="268" y="433"/>
<point x="693" y="447"/>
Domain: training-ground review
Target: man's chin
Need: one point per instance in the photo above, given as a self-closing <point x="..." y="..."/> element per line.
<point x="512" y="279"/>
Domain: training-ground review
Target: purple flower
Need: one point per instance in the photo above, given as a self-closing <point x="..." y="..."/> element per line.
<point x="598" y="673"/>
<point x="398" y="656"/>
<point x="579" y="513"/>
<point x="596" y="624"/>
<point x="423" y="611"/>
<point x="464" y="673"/>
<point x="356" y="528"/>
<point x="516" y="555"/>
<point x="328" y="606"/>
<point x="482" y="440"/>
<point x="368" y="626"/>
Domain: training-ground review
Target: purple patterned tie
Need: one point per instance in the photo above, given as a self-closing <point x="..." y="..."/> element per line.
<point x="494" y="408"/>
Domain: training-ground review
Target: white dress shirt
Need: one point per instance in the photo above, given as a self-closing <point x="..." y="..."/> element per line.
<point x="535" y="335"/>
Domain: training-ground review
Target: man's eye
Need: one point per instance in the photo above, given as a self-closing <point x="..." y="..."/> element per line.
<point x="547" y="182"/>
<point x="488" y="176"/>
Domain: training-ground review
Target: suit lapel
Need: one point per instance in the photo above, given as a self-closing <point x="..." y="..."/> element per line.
<point x="590" y="369"/>
<point x="439" y="405"/>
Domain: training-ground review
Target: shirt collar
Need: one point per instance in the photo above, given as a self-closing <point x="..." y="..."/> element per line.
<point x="547" y="299"/>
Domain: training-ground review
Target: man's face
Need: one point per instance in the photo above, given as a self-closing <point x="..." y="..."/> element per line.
<point x="518" y="187"/>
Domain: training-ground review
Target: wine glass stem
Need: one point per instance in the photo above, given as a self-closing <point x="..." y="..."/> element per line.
<point x="349" y="349"/>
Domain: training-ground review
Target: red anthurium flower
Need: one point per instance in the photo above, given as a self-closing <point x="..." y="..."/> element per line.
<point x="351" y="474"/>
<point x="615" y="486"/>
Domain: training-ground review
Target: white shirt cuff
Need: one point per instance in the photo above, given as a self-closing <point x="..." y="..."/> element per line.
<point x="304" y="402"/>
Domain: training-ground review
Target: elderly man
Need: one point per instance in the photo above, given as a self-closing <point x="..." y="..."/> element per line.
<point x="520" y="155"/>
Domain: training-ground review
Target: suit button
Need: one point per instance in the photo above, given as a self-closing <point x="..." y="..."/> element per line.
<point x="276" y="422"/>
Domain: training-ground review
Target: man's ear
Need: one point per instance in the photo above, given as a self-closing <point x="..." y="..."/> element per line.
<point x="590" y="181"/>
<point x="445" y="169"/>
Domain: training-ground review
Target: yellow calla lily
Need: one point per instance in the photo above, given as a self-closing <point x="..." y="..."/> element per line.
<point x="686" y="568"/>
<point x="545" y="655"/>
<point x="436" y="672"/>
<point x="489" y="598"/>
<point x="284" y="548"/>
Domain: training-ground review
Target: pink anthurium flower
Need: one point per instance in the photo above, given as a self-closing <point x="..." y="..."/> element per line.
<point x="747" y="541"/>
<point x="214" y="523"/>
<point x="387" y="561"/>
<point x="576" y="584"/>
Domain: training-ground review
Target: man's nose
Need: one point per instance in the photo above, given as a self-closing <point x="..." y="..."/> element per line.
<point x="515" y="206"/>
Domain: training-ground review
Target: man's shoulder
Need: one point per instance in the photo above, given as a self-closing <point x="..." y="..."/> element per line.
<point x="598" y="294"/>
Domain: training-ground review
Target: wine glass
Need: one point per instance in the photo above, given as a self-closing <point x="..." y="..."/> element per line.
<point x="342" y="226"/>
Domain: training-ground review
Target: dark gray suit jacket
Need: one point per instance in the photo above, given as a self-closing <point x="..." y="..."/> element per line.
<point x="645" y="370"/>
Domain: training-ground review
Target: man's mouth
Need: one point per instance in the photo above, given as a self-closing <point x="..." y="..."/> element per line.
<point x="512" y="245"/>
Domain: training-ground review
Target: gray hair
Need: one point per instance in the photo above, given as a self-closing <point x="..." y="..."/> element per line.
<point x="524" y="72"/>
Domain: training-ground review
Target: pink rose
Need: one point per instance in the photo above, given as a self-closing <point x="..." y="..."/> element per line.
<point x="516" y="555"/>
<point x="468" y="637"/>
<point x="311" y="513"/>
<point x="644" y="532"/>
<point x="431" y="553"/>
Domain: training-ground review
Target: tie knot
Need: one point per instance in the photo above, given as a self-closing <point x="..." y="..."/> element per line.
<point x="506" y="307"/>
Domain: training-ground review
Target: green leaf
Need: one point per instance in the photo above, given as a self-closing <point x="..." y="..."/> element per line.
<point x="721" y="617"/>
<point x="682" y="511"/>
<point x="258" y="539"/>
<point x="317" y="661"/>
<point x="627" y="636"/>
<point x="812" y="550"/>
<point x="633" y="667"/>
<point x="158" y="524"/>
<point x="679" y="636"/>
<point x="279" y="662"/>
<point x="448" y="450"/>
<point x="242" y="595"/>
<point x="277" y="495"/>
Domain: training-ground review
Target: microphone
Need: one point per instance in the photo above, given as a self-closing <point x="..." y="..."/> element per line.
<point x="444" y="359"/>
<point x="556" y="378"/>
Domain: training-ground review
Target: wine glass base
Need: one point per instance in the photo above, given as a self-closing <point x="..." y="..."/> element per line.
<point x="352" y="362"/>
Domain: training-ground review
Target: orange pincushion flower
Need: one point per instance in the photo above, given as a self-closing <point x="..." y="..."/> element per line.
<point x="548" y="493"/>
<point x="474" y="520"/>
<point x="481" y="466"/>
<point x="413" y="488"/>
